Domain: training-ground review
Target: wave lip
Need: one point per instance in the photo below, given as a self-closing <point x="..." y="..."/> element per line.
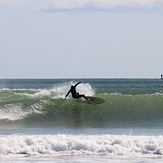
<point x="81" y="145"/>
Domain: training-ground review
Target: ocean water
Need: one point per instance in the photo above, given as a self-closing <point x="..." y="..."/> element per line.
<point x="38" y="125"/>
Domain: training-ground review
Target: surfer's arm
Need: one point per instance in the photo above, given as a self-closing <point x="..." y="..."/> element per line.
<point x="67" y="93"/>
<point x="77" y="84"/>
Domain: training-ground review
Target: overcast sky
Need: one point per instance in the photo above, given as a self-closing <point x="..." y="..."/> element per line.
<point x="81" y="38"/>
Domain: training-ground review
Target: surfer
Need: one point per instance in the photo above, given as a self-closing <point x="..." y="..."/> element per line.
<point x="74" y="93"/>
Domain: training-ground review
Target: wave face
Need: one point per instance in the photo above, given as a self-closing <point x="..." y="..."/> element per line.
<point x="41" y="103"/>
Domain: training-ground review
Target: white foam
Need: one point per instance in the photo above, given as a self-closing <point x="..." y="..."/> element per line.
<point x="38" y="93"/>
<point x="59" y="91"/>
<point x="15" y="112"/>
<point x="42" y="93"/>
<point x="108" y="145"/>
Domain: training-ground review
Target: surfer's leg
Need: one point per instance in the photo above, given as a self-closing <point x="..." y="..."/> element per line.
<point x="79" y="96"/>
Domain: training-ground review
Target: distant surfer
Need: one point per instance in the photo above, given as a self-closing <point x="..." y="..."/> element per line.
<point x="74" y="93"/>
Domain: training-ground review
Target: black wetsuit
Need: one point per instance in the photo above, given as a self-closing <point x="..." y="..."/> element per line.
<point x="74" y="93"/>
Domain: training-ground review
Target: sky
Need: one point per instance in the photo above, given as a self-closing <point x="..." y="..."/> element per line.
<point x="81" y="38"/>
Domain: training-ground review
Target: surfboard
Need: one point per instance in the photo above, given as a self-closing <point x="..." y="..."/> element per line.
<point x="94" y="100"/>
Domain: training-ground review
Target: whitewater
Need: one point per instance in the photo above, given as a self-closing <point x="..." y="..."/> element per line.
<point x="37" y="124"/>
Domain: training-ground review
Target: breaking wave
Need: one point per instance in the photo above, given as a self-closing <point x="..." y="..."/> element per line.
<point x="43" y="107"/>
<point x="56" y="145"/>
